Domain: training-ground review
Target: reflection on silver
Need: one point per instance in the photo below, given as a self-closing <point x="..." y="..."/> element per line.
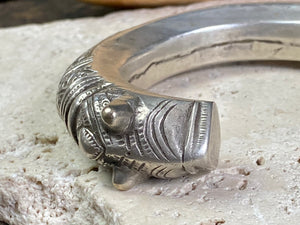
<point x="103" y="101"/>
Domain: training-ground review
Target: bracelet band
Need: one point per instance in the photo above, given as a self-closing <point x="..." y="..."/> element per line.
<point x="103" y="100"/>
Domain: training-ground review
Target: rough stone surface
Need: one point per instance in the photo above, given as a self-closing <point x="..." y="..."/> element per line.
<point x="46" y="179"/>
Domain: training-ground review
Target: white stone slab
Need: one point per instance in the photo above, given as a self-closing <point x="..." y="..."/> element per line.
<point x="46" y="179"/>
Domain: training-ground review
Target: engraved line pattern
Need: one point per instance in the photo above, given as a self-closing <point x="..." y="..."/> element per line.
<point x="142" y="140"/>
<point x="127" y="141"/>
<point x="203" y="123"/>
<point x="162" y="130"/>
<point x="141" y="167"/>
<point x="69" y="97"/>
<point x="149" y="131"/>
<point x="132" y="164"/>
<point x="75" y="68"/>
<point x="197" y="119"/>
<point x="139" y="146"/>
<point x="77" y="84"/>
<point x="159" y="171"/>
<point x="191" y="129"/>
<point x="166" y="173"/>
<point x="155" y="168"/>
<point x="93" y="143"/>
<point x="85" y="118"/>
<point x="93" y="122"/>
<point x="154" y="136"/>
<point x="100" y="129"/>
<point x="83" y="60"/>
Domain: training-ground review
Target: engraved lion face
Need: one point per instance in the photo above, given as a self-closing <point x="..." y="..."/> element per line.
<point x="103" y="121"/>
<point x="171" y="135"/>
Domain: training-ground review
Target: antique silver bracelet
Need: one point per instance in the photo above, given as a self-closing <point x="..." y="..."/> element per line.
<point x="103" y="97"/>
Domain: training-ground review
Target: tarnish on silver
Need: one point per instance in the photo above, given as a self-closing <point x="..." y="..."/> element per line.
<point x="103" y="100"/>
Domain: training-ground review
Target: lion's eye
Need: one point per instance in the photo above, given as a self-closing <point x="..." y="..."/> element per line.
<point x="105" y="103"/>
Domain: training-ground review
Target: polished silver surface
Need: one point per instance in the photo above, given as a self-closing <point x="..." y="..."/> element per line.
<point x="103" y="100"/>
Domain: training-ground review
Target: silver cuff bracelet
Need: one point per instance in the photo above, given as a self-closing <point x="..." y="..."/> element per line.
<point x="103" y="97"/>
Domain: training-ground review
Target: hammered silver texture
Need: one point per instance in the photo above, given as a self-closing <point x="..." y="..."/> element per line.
<point x="103" y="97"/>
